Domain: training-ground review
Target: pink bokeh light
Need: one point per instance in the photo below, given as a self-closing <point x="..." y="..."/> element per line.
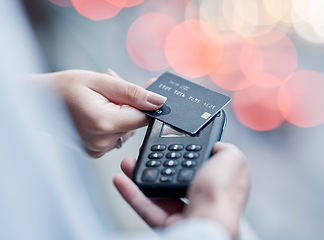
<point x="96" y="9"/>
<point x="193" y="48"/>
<point x="257" y="109"/>
<point x="301" y="99"/>
<point x="146" y="39"/>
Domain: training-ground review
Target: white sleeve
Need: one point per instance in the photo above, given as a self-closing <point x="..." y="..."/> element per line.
<point x="188" y="229"/>
<point x="191" y="229"/>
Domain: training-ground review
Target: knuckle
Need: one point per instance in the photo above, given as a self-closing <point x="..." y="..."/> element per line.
<point x="133" y="92"/>
<point x="98" y="144"/>
<point x="236" y="152"/>
<point x="101" y="125"/>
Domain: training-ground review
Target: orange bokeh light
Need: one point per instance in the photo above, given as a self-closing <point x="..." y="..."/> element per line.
<point x="62" y="3"/>
<point x="257" y="109"/>
<point x="146" y="39"/>
<point x="125" y="3"/>
<point x="301" y="99"/>
<point x="232" y="44"/>
<point x="250" y="58"/>
<point x="96" y="9"/>
<point x="233" y="81"/>
<point x="193" y="48"/>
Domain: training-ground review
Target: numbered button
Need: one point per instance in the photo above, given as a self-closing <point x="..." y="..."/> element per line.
<point x="193" y="147"/>
<point x="150" y="175"/>
<point x="156" y="155"/>
<point x="153" y="163"/>
<point x="173" y="155"/>
<point x="191" y="155"/>
<point x="171" y="163"/>
<point x="158" y="147"/>
<point x="189" y="163"/>
<point x="175" y="147"/>
<point x="186" y="175"/>
<point x="166" y="179"/>
<point x="168" y="171"/>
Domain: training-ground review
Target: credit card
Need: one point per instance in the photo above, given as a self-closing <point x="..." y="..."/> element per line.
<point x="188" y="106"/>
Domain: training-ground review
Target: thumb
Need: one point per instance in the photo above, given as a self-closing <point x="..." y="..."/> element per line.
<point x="122" y="92"/>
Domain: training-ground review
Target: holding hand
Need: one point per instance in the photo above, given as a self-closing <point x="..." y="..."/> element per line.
<point x="104" y="107"/>
<point x="218" y="192"/>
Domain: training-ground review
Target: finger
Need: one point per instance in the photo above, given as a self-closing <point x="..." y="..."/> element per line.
<point x="227" y="151"/>
<point x="128" y="165"/>
<point x="219" y="146"/>
<point x="122" y="92"/>
<point x="112" y="73"/>
<point x="145" y="208"/>
<point x="105" y="143"/>
<point x="121" y="118"/>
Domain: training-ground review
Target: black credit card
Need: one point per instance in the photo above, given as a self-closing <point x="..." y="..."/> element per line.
<point x="189" y="106"/>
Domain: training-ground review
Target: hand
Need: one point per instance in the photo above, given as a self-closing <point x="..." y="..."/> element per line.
<point x="218" y="192"/>
<point x="104" y="107"/>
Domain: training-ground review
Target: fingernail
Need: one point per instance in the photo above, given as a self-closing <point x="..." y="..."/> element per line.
<point x="155" y="99"/>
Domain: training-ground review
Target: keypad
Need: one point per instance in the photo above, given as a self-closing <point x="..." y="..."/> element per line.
<point x="171" y="163"/>
<point x="186" y="175"/>
<point x="158" y="147"/>
<point x="189" y="163"/>
<point x="155" y="155"/>
<point x="193" y="147"/>
<point x="150" y="175"/>
<point x="168" y="171"/>
<point x="153" y="163"/>
<point x="166" y="179"/>
<point x="173" y="155"/>
<point x="191" y="155"/>
<point x="175" y="147"/>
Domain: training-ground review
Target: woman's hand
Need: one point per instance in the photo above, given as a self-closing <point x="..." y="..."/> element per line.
<point x="104" y="107"/>
<point x="218" y="192"/>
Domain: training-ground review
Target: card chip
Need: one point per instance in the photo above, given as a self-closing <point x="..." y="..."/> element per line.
<point x="206" y="115"/>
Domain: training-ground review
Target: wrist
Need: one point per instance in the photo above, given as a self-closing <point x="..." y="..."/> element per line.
<point x="219" y="208"/>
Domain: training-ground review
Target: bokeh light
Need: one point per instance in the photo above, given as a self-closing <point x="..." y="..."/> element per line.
<point x="317" y="17"/>
<point x="232" y="44"/>
<point x="96" y="9"/>
<point x="233" y="81"/>
<point x="242" y="46"/>
<point x="193" y="48"/>
<point x="228" y="74"/>
<point x="279" y="59"/>
<point x="278" y="10"/>
<point x="257" y="109"/>
<point x="251" y="58"/>
<point x="248" y="11"/>
<point x="125" y="3"/>
<point x="62" y="3"/>
<point x="235" y="22"/>
<point x="301" y="99"/>
<point x="301" y="17"/>
<point x="146" y="39"/>
<point x="301" y="9"/>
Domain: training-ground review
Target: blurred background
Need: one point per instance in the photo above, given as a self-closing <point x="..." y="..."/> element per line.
<point x="268" y="55"/>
